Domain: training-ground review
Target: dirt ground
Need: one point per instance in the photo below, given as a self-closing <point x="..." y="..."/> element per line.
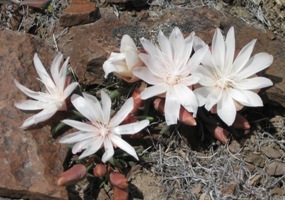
<point x="182" y="164"/>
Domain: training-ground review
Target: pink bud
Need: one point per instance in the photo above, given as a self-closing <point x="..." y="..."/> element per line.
<point x="219" y="133"/>
<point x="72" y="175"/>
<point x="100" y="170"/>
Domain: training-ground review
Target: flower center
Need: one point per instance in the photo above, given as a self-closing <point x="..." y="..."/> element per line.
<point x="105" y="130"/>
<point x="172" y="80"/>
<point x="224" y="82"/>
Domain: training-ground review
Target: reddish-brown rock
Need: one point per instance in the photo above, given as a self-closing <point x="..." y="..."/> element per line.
<point x="30" y="160"/>
<point x="79" y="12"/>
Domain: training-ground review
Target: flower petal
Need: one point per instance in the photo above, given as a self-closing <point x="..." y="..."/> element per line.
<point x="106" y="107"/>
<point x="93" y="148"/>
<point x="230" y="48"/>
<point x="164" y="44"/>
<point x="44" y="76"/>
<point x="144" y="74"/>
<point x="62" y="75"/>
<point x="131" y="128"/>
<point x="124" y="145"/>
<point x="213" y="98"/>
<point x="186" y="98"/>
<point x="202" y="94"/>
<point x="30" y="105"/>
<point x="109" y="150"/>
<point x="76" y="137"/>
<point x="39" y="117"/>
<point x="226" y="109"/>
<point x="171" y="108"/>
<point x="247" y="98"/>
<point x="153" y="91"/>
<point x="54" y="69"/>
<point x="69" y="89"/>
<point x="254" y="83"/>
<point x="35" y="95"/>
<point x="122" y="113"/>
<point x="80" y="125"/>
<point x="255" y="64"/>
<point x="115" y="63"/>
<point x="218" y="49"/>
<point x="243" y="56"/>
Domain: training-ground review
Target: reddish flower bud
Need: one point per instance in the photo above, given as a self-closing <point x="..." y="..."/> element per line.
<point x="72" y="175"/>
<point x="119" y="180"/>
<point x="219" y="133"/>
<point x="241" y="122"/>
<point x="100" y="170"/>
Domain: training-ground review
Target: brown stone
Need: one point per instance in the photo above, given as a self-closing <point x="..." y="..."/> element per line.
<point x="255" y="158"/>
<point x="79" y="12"/>
<point x="270" y="151"/>
<point x="235" y="147"/>
<point x="30" y="160"/>
<point x="276" y="168"/>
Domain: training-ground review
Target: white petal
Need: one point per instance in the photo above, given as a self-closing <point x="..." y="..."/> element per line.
<point x="109" y="150"/>
<point x="190" y="80"/>
<point x="198" y="43"/>
<point x="153" y="91"/>
<point x="144" y="74"/>
<point x="132" y="58"/>
<point x="30" y="105"/>
<point x="122" y="113"/>
<point x="124" y="145"/>
<point x="92" y="148"/>
<point x="76" y="137"/>
<point x="186" y="97"/>
<point x="218" y="49"/>
<point x="115" y="63"/>
<point x="127" y="43"/>
<point x="196" y="59"/>
<point x="54" y="69"/>
<point x="39" y="117"/>
<point x="255" y="64"/>
<point x="44" y="76"/>
<point x="247" y="98"/>
<point x="153" y="63"/>
<point x="177" y="42"/>
<point x="226" y="109"/>
<point x="106" y="107"/>
<point x="131" y="128"/>
<point x="80" y="125"/>
<point x="69" y="89"/>
<point x="202" y="94"/>
<point x="165" y="45"/>
<point x="171" y="108"/>
<point x="254" y="83"/>
<point x="62" y="74"/>
<point x="230" y="48"/>
<point x="89" y="106"/>
<point x="213" y="98"/>
<point x="243" y="56"/>
<point x="35" y="95"/>
<point x="150" y="48"/>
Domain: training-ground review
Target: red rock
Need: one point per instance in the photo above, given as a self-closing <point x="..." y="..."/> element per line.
<point x="79" y="12"/>
<point x="30" y="160"/>
<point x="276" y="168"/>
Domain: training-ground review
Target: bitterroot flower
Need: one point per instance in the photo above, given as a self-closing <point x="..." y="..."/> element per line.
<point x="123" y="63"/>
<point x="51" y="100"/>
<point x="230" y="83"/>
<point x="169" y="72"/>
<point x="101" y="130"/>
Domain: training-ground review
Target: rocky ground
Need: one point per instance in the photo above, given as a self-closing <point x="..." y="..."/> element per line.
<point x="181" y="163"/>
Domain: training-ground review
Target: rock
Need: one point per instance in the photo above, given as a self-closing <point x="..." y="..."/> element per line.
<point x="255" y="158"/>
<point x="229" y="189"/>
<point x="270" y="151"/>
<point x="234" y="147"/>
<point x="276" y="168"/>
<point x="30" y="160"/>
<point x="79" y="12"/>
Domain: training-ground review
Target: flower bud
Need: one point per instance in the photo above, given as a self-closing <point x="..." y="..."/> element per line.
<point x="72" y="175"/>
<point x="100" y="170"/>
<point x="119" y="180"/>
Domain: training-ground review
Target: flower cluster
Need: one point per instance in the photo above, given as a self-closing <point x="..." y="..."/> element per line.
<point x="182" y="75"/>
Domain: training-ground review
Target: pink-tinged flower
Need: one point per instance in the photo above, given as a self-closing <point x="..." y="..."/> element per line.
<point x="169" y="72"/>
<point x="101" y="130"/>
<point x="229" y="83"/>
<point x="53" y="98"/>
<point x="123" y="63"/>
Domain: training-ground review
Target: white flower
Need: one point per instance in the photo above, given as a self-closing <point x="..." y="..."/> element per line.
<point x="101" y="130"/>
<point x="53" y="99"/>
<point x="122" y="64"/>
<point x="169" y="71"/>
<point x="230" y="83"/>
